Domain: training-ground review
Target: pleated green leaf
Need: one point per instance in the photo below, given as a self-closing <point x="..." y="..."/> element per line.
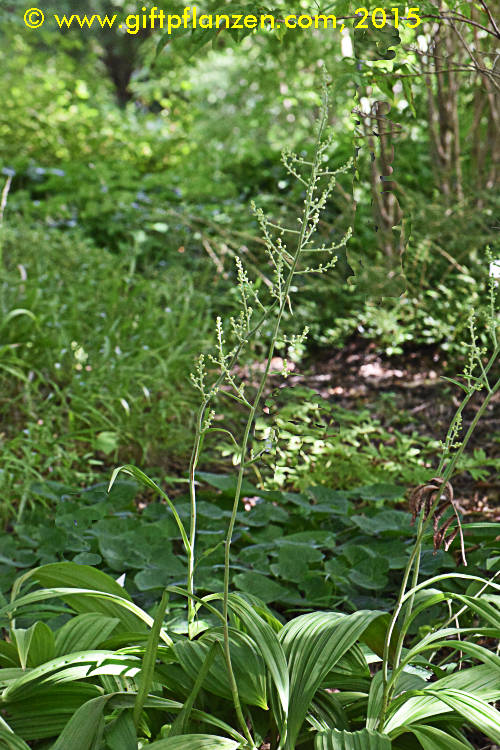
<point x="246" y="659"/>
<point x="10" y="741"/>
<point x="194" y="742"/>
<point x="429" y="640"/>
<point x="268" y="643"/>
<point x="84" y="632"/>
<point x="365" y="739"/>
<point x="67" y="669"/>
<point x="432" y="738"/>
<point x="473" y="649"/>
<point x="476" y="711"/>
<point x="85" y="729"/>
<point x="121" y="734"/>
<point x="327" y="711"/>
<point x="480" y="681"/>
<point x="35" y="645"/>
<point x="375" y="698"/>
<point x="8" y="655"/>
<point x="313" y="644"/>
<point x="374" y="635"/>
<point x="146" y="675"/>
<point x="109" y="604"/>
<point x="482" y="608"/>
<point x="46" y="714"/>
<point x="126" y="700"/>
<point x="181" y="723"/>
<point x="69" y="575"/>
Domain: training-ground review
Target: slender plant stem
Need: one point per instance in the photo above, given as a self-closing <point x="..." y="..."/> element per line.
<point x="194" y="460"/>
<point x="251" y="418"/>
<point x="423" y="525"/>
<point x="458" y="414"/>
<point x="416" y="567"/>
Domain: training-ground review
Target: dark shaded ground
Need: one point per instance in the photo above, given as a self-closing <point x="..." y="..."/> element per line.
<point x="359" y="375"/>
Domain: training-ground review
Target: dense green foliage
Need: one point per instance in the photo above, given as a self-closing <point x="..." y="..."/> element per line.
<point x="317" y="548"/>
<point x="90" y="351"/>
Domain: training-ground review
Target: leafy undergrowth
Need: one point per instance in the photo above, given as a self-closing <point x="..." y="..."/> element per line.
<point x="92" y="361"/>
<point x="66" y="679"/>
<point x="356" y="416"/>
<point x="95" y="677"/>
<point x="320" y="548"/>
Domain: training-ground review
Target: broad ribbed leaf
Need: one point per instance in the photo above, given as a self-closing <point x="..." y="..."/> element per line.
<point x="194" y="742"/>
<point x="85" y="729"/>
<point x="180" y="725"/>
<point x="473" y="649"/>
<point x="84" y="632"/>
<point x="374" y="635"/>
<point x="121" y="734"/>
<point x="246" y="659"/>
<point x="126" y="611"/>
<point x="126" y="700"/>
<point x="54" y="712"/>
<point x="432" y="738"/>
<point x="145" y="677"/>
<point x="375" y="698"/>
<point x="313" y="644"/>
<point x="481" y="682"/>
<point x="4" y="726"/>
<point x="326" y="712"/>
<point x="35" y="644"/>
<point x="71" y="575"/>
<point x="10" y="741"/>
<point x="69" y="668"/>
<point x="428" y="641"/>
<point x="404" y="683"/>
<point x="8" y="655"/>
<point x="447" y="576"/>
<point x="474" y="710"/>
<point x="365" y="739"/>
<point x="487" y="611"/>
<point x="268" y="643"/>
<point x="46" y="714"/>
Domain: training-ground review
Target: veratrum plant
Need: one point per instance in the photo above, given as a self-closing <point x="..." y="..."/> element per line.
<point x="106" y="676"/>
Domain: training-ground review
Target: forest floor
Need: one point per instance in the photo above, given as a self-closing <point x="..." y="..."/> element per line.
<point x="358" y="375"/>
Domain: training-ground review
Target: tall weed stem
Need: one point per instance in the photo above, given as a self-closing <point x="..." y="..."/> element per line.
<point x="194" y="460"/>
<point x="318" y="182"/>
<point x="445" y="472"/>
<point x="311" y="185"/>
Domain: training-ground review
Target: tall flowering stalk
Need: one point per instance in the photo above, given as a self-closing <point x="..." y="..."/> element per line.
<point x="292" y="251"/>
<point x="431" y="499"/>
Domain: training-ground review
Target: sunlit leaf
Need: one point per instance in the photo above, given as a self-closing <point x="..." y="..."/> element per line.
<point x="194" y="742"/>
<point x="432" y="738"/>
<point x="10" y="741"/>
<point x="365" y="739"/>
<point x="313" y="644"/>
